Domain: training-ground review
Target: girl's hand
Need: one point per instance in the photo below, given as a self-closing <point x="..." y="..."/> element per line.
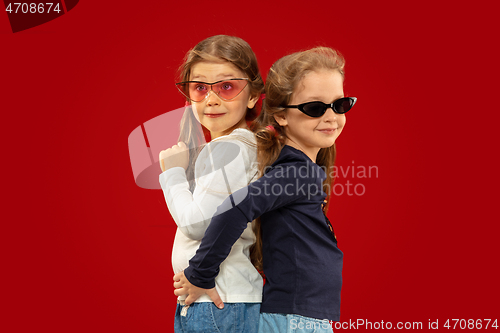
<point x="177" y="156"/>
<point x="184" y="287"/>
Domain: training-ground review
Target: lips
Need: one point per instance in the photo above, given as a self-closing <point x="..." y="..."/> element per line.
<point x="214" y="115"/>
<point x="328" y="130"/>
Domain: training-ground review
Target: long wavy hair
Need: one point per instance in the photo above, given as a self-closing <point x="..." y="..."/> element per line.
<point x="219" y="48"/>
<point x="282" y="80"/>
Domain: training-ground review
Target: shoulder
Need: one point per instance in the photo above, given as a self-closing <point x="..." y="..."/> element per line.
<point x="290" y="158"/>
<point x="239" y="145"/>
<point x="293" y="163"/>
<point x="240" y="136"/>
<point x="239" y="142"/>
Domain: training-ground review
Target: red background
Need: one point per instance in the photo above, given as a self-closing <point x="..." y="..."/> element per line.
<point x="85" y="249"/>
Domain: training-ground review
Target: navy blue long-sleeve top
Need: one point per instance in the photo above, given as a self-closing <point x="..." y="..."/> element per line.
<point x="302" y="263"/>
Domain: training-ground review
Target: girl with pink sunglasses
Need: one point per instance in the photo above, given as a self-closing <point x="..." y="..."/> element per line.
<point x="221" y="81"/>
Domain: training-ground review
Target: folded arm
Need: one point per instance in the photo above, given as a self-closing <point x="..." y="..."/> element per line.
<point x="232" y="218"/>
<point x="222" y="170"/>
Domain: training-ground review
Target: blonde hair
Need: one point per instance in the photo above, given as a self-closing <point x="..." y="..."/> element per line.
<point x="282" y="80"/>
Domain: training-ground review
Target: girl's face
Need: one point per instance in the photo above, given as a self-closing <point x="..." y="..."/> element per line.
<point x="307" y="133"/>
<point x="221" y="117"/>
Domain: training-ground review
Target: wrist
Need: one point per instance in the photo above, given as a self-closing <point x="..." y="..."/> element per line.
<point x="200" y="282"/>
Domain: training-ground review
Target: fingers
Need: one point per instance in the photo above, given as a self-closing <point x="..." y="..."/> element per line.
<point x="180" y="283"/>
<point x="177" y="277"/>
<point x="163" y="155"/>
<point x="181" y="291"/>
<point x="183" y="287"/>
<point x="190" y="299"/>
<point x="214" y="295"/>
<point x="181" y="146"/>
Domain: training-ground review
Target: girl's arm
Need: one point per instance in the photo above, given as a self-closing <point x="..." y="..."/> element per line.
<point x="221" y="169"/>
<point x="276" y="189"/>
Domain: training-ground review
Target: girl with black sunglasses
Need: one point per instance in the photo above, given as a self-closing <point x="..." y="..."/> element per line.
<point x="303" y="115"/>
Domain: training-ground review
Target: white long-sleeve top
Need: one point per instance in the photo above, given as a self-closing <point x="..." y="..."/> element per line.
<point x="224" y="165"/>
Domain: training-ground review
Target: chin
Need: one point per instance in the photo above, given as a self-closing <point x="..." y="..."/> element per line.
<point x="328" y="144"/>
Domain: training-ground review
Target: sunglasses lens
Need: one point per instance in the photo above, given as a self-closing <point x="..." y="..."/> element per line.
<point x="230" y="89"/>
<point x="314" y="109"/>
<point x="194" y="91"/>
<point x="183" y="88"/>
<point x="318" y="109"/>
<point x="197" y="91"/>
<point x="343" y="105"/>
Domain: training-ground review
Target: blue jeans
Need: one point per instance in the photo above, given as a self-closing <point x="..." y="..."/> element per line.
<point x="291" y="323"/>
<point x="205" y="317"/>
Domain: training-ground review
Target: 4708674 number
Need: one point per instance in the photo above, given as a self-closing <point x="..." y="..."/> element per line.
<point x="32" y="7"/>
<point x="471" y="324"/>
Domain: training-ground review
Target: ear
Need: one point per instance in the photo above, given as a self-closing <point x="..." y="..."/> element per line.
<point x="280" y="118"/>
<point x="252" y="101"/>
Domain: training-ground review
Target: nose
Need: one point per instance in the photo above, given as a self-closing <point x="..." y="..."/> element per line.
<point x="212" y="98"/>
<point x="329" y="115"/>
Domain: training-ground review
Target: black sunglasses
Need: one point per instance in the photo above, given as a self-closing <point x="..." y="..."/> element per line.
<point x="317" y="109"/>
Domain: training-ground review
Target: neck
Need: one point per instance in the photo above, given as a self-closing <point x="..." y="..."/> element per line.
<point x="311" y="152"/>
<point x="241" y="124"/>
